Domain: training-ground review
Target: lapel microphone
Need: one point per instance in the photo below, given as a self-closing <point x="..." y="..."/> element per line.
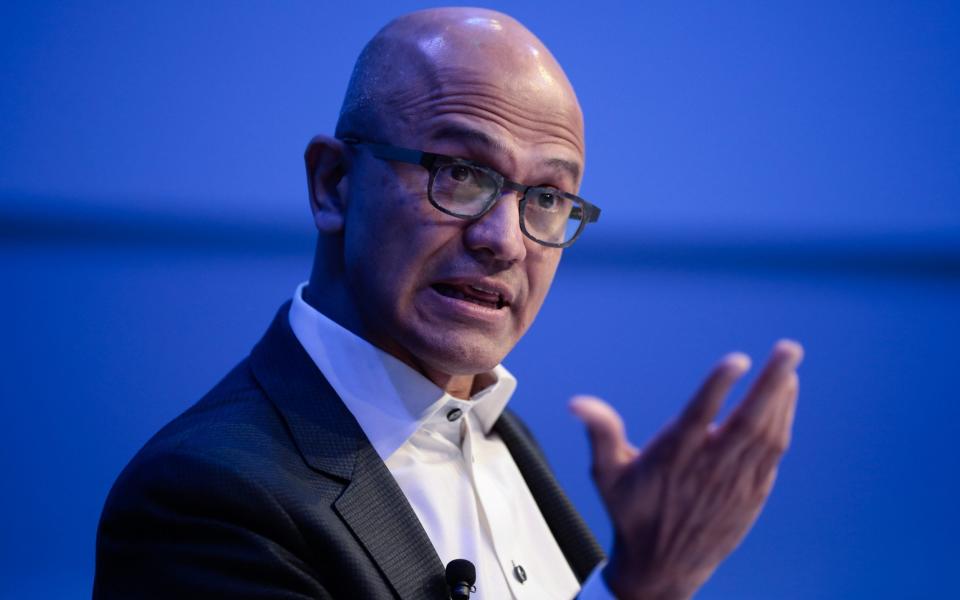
<point x="461" y="575"/>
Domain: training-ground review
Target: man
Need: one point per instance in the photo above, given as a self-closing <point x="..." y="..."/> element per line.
<point x="364" y="443"/>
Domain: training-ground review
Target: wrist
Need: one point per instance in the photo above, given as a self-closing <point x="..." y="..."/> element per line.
<point x="629" y="580"/>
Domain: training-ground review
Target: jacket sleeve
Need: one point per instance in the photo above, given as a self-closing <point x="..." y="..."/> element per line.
<point x="179" y="524"/>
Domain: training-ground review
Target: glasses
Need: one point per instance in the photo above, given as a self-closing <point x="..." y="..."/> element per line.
<point x="468" y="190"/>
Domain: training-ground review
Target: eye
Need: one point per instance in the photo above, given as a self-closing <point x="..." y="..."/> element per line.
<point x="546" y="200"/>
<point x="460" y="172"/>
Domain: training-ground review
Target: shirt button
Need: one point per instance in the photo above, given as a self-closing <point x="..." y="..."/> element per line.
<point x="454" y="414"/>
<point x="520" y="573"/>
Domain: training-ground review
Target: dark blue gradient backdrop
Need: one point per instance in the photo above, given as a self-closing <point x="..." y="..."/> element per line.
<point x="765" y="169"/>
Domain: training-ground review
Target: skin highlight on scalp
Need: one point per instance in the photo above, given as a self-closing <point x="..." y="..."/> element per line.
<point x="419" y="58"/>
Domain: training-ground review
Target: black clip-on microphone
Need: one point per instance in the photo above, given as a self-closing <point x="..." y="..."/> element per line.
<point x="461" y="575"/>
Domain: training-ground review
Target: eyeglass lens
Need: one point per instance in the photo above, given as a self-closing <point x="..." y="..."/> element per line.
<point x="465" y="191"/>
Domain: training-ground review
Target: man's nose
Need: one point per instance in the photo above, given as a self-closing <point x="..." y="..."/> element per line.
<point x="497" y="234"/>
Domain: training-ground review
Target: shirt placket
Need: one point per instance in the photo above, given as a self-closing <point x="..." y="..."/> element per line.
<point x="496" y="507"/>
<point x="451" y="425"/>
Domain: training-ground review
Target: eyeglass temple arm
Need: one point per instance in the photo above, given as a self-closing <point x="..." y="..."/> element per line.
<point x="591" y="212"/>
<point x="405" y="155"/>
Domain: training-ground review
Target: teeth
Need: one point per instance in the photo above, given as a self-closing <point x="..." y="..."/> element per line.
<point x="486" y="291"/>
<point x="486" y="297"/>
<point x="499" y="301"/>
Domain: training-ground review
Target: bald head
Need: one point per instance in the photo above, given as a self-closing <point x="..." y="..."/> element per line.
<point x="461" y="84"/>
<point x="420" y="61"/>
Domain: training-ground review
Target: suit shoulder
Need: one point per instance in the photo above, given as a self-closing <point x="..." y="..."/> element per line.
<point x="232" y="437"/>
<point x="226" y="459"/>
<point x="192" y="516"/>
<point x="235" y="415"/>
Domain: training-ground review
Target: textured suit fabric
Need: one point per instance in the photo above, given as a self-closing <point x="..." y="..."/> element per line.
<point x="268" y="488"/>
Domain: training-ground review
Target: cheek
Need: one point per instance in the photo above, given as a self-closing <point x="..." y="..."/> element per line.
<point x="390" y="242"/>
<point x="377" y="260"/>
<point x="541" y="268"/>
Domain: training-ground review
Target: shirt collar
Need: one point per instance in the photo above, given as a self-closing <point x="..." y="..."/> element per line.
<point x="389" y="399"/>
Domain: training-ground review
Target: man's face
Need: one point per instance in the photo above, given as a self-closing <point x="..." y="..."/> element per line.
<point x="454" y="295"/>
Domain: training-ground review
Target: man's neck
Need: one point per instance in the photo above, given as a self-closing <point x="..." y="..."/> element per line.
<point x="458" y="386"/>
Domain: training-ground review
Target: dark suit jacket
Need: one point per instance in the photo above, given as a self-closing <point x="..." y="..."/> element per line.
<point x="268" y="488"/>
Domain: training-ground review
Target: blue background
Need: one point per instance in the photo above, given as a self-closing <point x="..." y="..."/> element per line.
<point x="766" y="169"/>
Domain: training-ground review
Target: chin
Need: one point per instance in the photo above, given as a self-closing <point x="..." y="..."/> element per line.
<point x="454" y="354"/>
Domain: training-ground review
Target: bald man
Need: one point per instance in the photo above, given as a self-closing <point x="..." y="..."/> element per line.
<point x="365" y="441"/>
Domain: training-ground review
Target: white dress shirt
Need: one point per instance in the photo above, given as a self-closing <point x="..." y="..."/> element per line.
<point x="454" y="470"/>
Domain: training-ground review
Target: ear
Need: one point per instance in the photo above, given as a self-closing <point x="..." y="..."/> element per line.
<point x="326" y="161"/>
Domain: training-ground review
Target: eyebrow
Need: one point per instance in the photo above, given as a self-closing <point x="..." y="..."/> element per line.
<point x="456" y="131"/>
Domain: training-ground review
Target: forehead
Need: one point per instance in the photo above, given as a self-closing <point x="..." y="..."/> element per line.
<point x="511" y="113"/>
<point x="471" y="136"/>
<point x="490" y="77"/>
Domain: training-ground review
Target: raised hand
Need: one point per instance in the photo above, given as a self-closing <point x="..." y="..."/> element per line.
<point x="681" y="505"/>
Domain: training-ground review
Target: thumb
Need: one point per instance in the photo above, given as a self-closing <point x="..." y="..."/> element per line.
<point x="608" y="439"/>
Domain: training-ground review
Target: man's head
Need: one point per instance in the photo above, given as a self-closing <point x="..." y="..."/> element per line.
<point x="468" y="83"/>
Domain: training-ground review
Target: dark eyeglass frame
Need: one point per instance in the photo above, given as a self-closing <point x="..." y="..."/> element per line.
<point x="432" y="162"/>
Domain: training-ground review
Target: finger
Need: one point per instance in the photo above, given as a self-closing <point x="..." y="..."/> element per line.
<point x="761" y="450"/>
<point x="766" y="471"/>
<point x="706" y="403"/>
<point x="608" y="439"/>
<point x="781" y="429"/>
<point x="766" y="392"/>
<point x="785" y="423"/>
<point x="774" y="426"/>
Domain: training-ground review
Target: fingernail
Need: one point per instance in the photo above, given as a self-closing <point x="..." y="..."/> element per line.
<point x="738" y="361"/>
<point x="791" y="349"/>
<point x="574" y="404"/>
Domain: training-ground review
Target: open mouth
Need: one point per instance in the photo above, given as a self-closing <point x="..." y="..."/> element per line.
<point x="469" y="293"/>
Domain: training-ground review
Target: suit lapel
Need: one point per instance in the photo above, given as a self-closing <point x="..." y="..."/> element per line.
<point x="377" y="512"/>
<point x="577" y="543"/>
<point x="330" y="440"/>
